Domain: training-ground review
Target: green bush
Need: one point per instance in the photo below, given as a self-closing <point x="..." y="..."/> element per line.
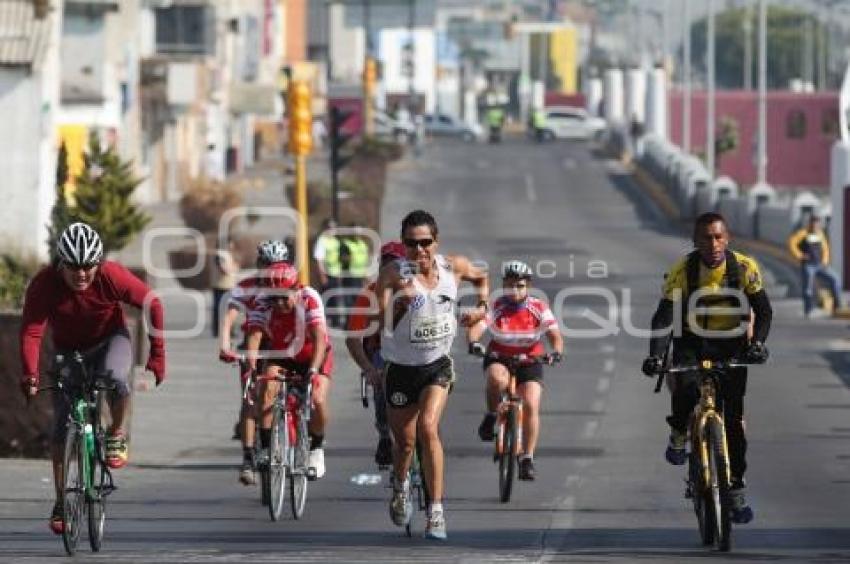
<point x="15" y="273"/>
<point x="205" y="201"/>
<point x="372" y="147"/>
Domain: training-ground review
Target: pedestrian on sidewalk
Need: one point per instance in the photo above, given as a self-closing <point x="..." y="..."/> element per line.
<point x="810" y="247"/>
<point x="223" y="279"/>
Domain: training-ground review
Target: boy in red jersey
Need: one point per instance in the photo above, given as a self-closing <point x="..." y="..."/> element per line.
<point x="517" y="324"/>
<point x="290" y="318"/>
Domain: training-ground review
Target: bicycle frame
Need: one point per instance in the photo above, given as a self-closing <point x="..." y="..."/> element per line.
<point x="709" y="472"/>
<point x="510" y="402"/>
<point x="704" y="411"/>
<point x="84" y="411"/>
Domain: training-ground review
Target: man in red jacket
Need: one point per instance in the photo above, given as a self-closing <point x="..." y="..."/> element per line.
<point x="80" y="297"/>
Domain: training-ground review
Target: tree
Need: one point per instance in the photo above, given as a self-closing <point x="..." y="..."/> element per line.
<point x="785" y="36"/>
<point x="60" y="215"/>
<point x="726" y="138"/>
<point x="103" y="197"/>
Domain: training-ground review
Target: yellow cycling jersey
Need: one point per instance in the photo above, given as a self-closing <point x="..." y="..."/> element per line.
<point x="712" y="280"/>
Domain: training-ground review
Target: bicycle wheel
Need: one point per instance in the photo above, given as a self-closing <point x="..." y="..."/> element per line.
<point x="73" y="488"/>
<point x="720" y="503"/>
<point x="697" y="488"/>
<point x="95" y="503"/>
<point x="298" y="475"/>
<point x="507" y="458"/>
<point x="277" y="464"/>
<point x="261" y="460"/>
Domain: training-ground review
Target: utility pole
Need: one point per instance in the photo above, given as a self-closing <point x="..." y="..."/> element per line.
<point x="300" y="145"/>
<point x="369" y="72"/>
<point x="686" y="70"/>
<point x="411" y="53"/>
<point x="709" y="116"/>
<point x="748" y="49"/>
<point x="761" y="157"/>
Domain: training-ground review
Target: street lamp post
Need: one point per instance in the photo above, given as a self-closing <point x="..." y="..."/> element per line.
<point x="761" y="157"/>
<point x="686" y="70"/>
<point x="709" y="116"/>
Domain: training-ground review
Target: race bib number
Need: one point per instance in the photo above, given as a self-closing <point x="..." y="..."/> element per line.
<point x="427" y="332"/>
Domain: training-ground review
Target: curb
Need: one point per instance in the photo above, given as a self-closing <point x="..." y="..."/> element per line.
<point x="662" y="199"/>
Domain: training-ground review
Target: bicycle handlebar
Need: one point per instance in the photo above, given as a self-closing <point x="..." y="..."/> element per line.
<point x="704" y="366"/>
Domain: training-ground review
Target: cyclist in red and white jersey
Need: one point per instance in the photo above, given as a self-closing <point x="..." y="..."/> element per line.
<point x="243" y="298"/>
<point x="80" y="297"/>
<point x="517" y="324"/>
<point x="290" y="319"/>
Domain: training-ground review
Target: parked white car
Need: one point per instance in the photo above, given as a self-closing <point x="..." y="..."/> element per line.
<point x="387" y="126"/>
<point x="566" y="122"/>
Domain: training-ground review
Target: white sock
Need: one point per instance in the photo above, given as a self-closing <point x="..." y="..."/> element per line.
<point x="436" y="506"/>
<point x="527" y="456"/>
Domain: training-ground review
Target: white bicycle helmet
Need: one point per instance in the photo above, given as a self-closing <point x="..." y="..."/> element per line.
<point x="80" y="245"/>
<point x="517" y="269"/>
<point x="272" y="251"/>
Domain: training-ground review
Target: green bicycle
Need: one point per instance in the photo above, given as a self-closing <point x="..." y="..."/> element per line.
<point x="86" y="479"/>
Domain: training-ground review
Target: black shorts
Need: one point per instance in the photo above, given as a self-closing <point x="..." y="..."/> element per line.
<point x="527" y="373"/>
<point x="404" y="383"/>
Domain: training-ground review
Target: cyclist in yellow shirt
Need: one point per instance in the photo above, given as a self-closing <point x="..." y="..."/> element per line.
<point x="717" y="291"/>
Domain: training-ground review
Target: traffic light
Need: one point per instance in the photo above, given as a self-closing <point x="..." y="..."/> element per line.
<point x="338" y="138"/>
<point x="300" y="119"/>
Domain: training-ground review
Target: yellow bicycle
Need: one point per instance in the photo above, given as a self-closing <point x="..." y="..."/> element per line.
<point x="708" y="479"/>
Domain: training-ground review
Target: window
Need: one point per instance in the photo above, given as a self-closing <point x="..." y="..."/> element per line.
<point x="182" y="30"/>
<point x="795" y="127"/>
<point x="445" y="120"/>
<point x="829" y="123"/>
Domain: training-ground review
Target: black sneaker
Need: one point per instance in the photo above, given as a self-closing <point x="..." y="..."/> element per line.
<point x="384" y="452"/>
<point x="526" y="469"/>
<point x="485" y="430"/>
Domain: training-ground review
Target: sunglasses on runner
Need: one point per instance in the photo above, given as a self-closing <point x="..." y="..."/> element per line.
<point x="422" y="243"/>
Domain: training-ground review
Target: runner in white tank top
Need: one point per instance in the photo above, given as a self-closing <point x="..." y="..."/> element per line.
<point x="416" y="301"/>
<point x="427" y="328"/>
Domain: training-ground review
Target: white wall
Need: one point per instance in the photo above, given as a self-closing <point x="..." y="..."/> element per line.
<point x="28" y="102"/>
<point x="391" y="44"/>
<point x="348" y="47"/>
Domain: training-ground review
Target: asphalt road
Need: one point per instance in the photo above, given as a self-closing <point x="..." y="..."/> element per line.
<point x="604" y="492"/>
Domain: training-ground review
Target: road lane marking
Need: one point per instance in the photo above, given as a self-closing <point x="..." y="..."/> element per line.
<point x="604" y="385"/>
<point x="530" y="192"/>
<point x="609" y="365"/>
<point x="569" y="164"/>
<point x="598" y="406"/>
<point x="607" y="349"/>
<point x="451" y="200"/>
<point x="590" y="429"/>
